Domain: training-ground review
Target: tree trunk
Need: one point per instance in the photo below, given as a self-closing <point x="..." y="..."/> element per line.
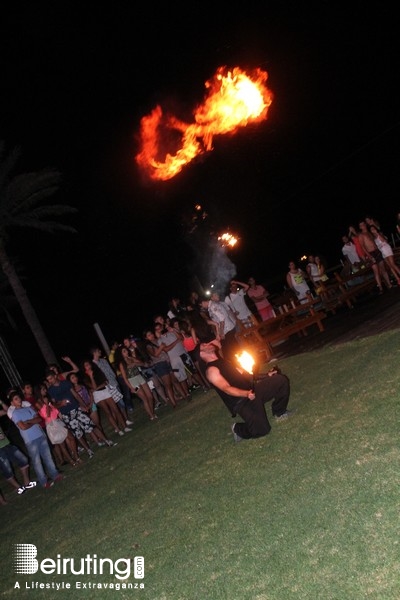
<point x="27" y="309"/>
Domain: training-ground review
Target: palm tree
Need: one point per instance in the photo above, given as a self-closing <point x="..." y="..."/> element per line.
<point x="21" y="205"/>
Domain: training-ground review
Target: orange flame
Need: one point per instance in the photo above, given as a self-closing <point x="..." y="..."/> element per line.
<point x="246" y="361"/>
<point x="227" y="239"/>
<point x="234" y="99"/>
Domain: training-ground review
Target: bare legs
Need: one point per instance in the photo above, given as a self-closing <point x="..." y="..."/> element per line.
<point x="112" y="413"/>
<point x="144" y="393"/>
<point x="169" y="388"/>
<point x="377" y="275"/>
<point x="389" y="260"/>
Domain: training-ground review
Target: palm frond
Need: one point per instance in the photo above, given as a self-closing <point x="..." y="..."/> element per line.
<point x="52" y="210"/>
<point x="7" y="165"/>
<point x="47" y="226"/>
<point x="26" y="190"/>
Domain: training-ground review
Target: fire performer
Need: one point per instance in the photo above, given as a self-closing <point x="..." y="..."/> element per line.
<point x="235" y="389"/>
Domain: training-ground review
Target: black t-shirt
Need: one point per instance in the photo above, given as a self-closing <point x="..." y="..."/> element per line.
<point x="234" y="378"/>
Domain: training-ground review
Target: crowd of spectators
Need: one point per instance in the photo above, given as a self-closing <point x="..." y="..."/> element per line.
<point x="67" y="414"/>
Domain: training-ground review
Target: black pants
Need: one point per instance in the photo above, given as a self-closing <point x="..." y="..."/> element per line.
<point x="277" y="388"/>
<point x="255" y="421"/>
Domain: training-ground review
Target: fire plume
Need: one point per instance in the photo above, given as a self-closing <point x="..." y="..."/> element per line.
<point x="246" y="361"/>
<point x="234" y="99"/>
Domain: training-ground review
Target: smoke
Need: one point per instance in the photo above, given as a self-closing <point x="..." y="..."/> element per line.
<point x="211" y="265"/>
<point x="220" y="268"/>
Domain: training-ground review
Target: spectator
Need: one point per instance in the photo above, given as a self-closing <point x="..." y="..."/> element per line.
<point x="111" y="377"/>
<point x="259" y="295"/>
<point x="372" y="252"/>
<point x="237" y="303"/>
<point x="386" y="251"/>
<point x="296" y="280"/>
<point x="71" y="407"/>
<point x="173" y="346"/>
<point x="96" y="382"/>
<point x="35" y="440"/>
<point x="225" y="319"/>
<point x="350" y="253"/>
<point x="9" y="455"/>
<point x="161" y="365"/>
<point x="129" y="367"/>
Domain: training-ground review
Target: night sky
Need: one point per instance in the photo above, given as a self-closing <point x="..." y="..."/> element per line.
<point x="75" y="84"/>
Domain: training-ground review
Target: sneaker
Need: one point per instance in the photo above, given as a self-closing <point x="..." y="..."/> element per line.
<point x="21" y="490"/>
<point x="284" y="416"/>
<point x="30" y="485"/>
<point x="48" y="484"/>
<point x="236" y="437"/>
<point x="121" y="433"/>
<point x="101" y="444"/>
<point x="129" y="422"/>
<point x="59" y="477"/>
<point x="127" y="429"/>
<point x="90" y="453"/>
<point x="110" y="443"/>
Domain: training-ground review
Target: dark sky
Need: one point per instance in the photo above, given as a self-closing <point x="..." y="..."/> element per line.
<point x="75" y="84"/>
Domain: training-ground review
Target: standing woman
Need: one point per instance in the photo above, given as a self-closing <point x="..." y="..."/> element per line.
<point x="87" y="399"/>
<point x="161" y="365"/>
<point x="296" y="280"/>
<point x="128" y="365"/>
<point x="66" y="449"/>
<point x="259" y="295"/>
<point x="96" y="382"/>
<point x="398" y="224"/>
<point x="386" y="251"/>
<point x="190" y="343"/>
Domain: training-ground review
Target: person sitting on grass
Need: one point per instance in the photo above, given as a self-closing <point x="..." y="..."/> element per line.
<point x="27" y="420"/>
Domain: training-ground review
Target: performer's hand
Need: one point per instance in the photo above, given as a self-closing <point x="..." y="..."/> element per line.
<point x="251" y="395"/>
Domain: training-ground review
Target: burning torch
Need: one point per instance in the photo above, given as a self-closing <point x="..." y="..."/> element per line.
<point x="246" y="361"/>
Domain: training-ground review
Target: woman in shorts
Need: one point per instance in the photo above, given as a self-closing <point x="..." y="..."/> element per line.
<point x="96" y="382"/>
<point x="128" y="365"/>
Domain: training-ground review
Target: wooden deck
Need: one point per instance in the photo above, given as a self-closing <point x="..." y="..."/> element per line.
<point x="371" y="315"/>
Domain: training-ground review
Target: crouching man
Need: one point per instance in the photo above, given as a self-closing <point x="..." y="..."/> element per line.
<point x="236" y="391"/>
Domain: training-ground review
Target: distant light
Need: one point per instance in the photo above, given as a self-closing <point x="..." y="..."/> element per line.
<point x="208" y="292"/>
<point x="227" y="239"/>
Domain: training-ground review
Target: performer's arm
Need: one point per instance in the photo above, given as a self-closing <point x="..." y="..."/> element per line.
<point x="214" y="376"/>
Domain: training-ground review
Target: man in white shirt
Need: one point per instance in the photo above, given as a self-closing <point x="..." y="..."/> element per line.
<point x="349" y="251"/>
<point x="226" y="321"/>
<point x="237" y="303"/>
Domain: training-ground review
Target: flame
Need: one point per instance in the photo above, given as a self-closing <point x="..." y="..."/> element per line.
<point x="234" y="99"/>
<point x="227" y="239"/>
<point x="246" y="361"/>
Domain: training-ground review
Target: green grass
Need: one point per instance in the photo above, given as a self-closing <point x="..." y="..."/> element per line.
<point x="309" y="512"/>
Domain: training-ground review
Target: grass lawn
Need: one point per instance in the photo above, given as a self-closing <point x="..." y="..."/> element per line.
<point x="308" y="512"/>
